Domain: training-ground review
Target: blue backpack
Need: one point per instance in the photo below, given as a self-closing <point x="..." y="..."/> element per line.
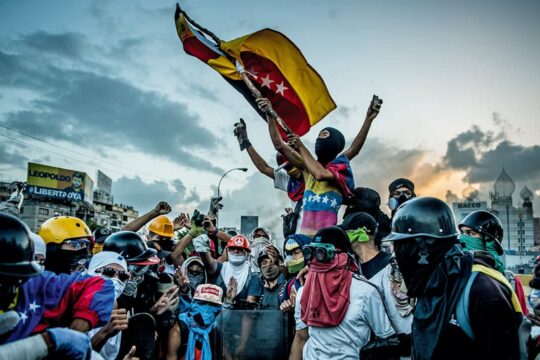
<point x="462" y="308"/>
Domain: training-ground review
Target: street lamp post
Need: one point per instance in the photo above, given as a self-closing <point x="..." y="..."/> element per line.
<point x="219" y="184"/>
<point x="222" y="176"/>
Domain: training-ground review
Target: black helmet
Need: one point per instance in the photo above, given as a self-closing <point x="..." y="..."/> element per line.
<point x="425" y="216"/>
<point x="487" y="224"/>
<point x="16" y="249"/>
<point x="132" y="246"/>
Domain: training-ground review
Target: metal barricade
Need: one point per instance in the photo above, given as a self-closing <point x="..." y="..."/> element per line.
<point x="251" y="334"/>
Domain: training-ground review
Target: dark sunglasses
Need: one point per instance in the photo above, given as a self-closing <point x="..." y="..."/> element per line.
<point x="111" y="272"/>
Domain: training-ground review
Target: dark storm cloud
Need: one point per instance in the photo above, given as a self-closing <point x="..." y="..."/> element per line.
<point x="86" y="107"/>
<point x="144" y="196"/>
<point x="9" y="157"/>
<point x="70" y="44"/>
<point x="482" y="154"/>
<point x="521" y="162"/>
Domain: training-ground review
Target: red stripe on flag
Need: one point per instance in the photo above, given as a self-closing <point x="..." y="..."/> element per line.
<point x="274" y="86"/>
<point x="196" y="48"/>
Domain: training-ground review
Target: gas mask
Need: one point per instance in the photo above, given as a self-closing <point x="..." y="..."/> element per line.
<point x="394" y="203"/>
<point x="137" y="277"/>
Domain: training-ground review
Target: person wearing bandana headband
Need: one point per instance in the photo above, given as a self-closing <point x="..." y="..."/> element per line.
<point x="443" y="278"/>
<point x="482" y="234"/>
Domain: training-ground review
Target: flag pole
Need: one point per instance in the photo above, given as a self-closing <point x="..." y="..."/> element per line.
<point x="243" y="73"/>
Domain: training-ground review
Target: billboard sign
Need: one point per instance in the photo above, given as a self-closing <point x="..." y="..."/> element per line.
<point x="104" y="183"/>
<point x="58" y="183"/>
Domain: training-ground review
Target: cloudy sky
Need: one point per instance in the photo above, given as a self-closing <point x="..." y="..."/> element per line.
<point x="105" y="85"/>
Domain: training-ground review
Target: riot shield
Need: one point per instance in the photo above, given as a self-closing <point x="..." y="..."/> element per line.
<point x="251" y="334"/>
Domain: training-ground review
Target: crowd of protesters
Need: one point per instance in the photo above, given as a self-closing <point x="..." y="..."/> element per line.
<point x="412" y="285"/>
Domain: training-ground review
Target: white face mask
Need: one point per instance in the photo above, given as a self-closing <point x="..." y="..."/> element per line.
<point x="118" y="287"/>
<point x="237" y="259"/>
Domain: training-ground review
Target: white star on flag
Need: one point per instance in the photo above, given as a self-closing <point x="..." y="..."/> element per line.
<point x="266" y="81"/>
<point x="281" y="88"/>
<point x="333" y="203"/>
<point x="317" y="198"/>
<point x="252" y="72"/>
<point x="23" y="316"/>
<point x="34" y="306"/>
<point x="325" y="199"/>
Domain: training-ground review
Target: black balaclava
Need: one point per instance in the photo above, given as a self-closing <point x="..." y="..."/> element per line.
<point x="328" y="148"/>
<point x="417" y="259"/>
<point x="64" y="261"/>
<point x="435" y="272"/>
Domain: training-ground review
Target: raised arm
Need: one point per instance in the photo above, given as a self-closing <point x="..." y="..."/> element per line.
<point x="292" y="156"/>
<point x="240" y="131"/>
<point x="161" y="208"/>
<point x="313" y="166"/>
<point x="360" y="139"/>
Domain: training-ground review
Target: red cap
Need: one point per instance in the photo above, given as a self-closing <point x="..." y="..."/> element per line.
<point x="239" y="241"/>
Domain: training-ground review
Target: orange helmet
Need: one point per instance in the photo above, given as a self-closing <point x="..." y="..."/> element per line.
<point x="239" y="241"/>
<point x="163" y="226"/>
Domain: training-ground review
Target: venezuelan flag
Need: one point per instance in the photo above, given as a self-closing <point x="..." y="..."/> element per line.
<point x="276" y="66"/>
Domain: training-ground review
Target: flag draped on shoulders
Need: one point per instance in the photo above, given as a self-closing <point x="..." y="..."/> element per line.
<point x="322" y="199"/>
<point x="275" y="66"/>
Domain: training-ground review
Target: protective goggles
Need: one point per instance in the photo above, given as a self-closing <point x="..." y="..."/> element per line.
<point x="76" y="244"/>
<point x="320" y="251"/>
<point x="111" y="272"/>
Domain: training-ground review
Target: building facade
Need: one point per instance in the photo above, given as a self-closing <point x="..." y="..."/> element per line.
<point x="517" y="218"/>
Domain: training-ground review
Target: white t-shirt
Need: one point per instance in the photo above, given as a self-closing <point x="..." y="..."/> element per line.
<point x="281" y="182"/>
<point x="365" y="313"/>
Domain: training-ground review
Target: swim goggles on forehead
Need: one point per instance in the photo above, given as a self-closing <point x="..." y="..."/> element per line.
<point x="320" y="251"/>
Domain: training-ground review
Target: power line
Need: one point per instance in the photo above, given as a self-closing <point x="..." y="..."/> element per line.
<point x="136" y="172"/>
<point x="81" y="154"/>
